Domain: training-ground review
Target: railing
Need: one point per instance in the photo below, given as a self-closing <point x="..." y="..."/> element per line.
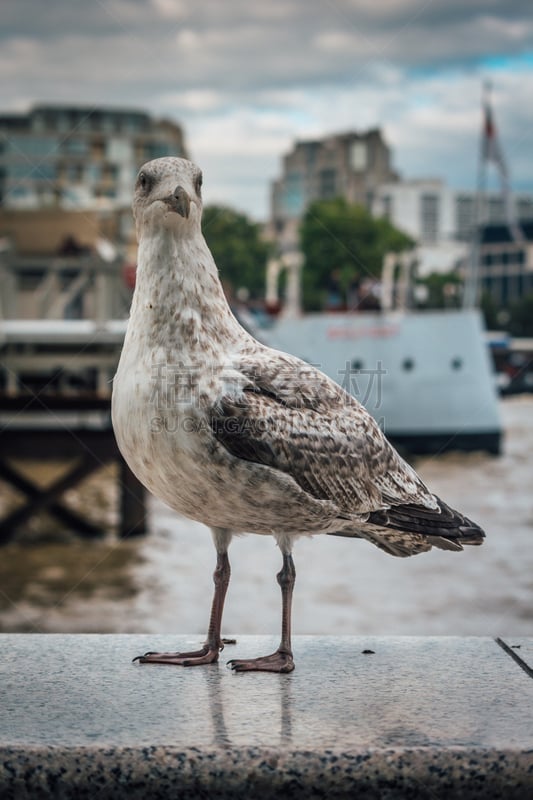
<point x="63" y="287"/>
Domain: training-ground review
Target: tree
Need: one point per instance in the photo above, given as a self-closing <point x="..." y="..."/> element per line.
<point x="443" y="289"/>
<point x="237" y="248"/>
<point x="521" y="316"/>
<point x="516" y="318"/>
<point x="489" y="310"/>
<point x="343" y="240"/>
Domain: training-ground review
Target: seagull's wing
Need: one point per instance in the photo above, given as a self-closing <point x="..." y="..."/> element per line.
<point x="293" y="418"/>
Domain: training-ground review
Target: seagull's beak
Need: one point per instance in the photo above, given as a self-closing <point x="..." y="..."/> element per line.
<point x="179" y="201"/>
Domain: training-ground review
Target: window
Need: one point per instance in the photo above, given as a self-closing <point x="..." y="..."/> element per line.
<point x="75" y="146"/>
<point x="496" y="210"/>
<point x="74" y="172"/>
<point x="156" y="150"/>
<point x="134" y="123"/>
<point x="33" y="146"/>
<point x="387" y="205"/>
<point x="327" y="183"/>
<point x="110" y="172"/>
<point x="464" y="216"/>
<point x="44" y="172"/>
<point x="21" y="169"/>
<point x="108" y="122"/>
<point x="60" y="121"/>
<point x="524" y="208"/>
<point x="94" y="172"/>
<point x="359" y="156"/>
<point x="310" y="153"/>
<point x="429" y="210"/>
<point x="293" y="196"/>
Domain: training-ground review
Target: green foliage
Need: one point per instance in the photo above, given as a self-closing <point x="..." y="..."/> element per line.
<point x="516" y="318"/>
<point x="489" y="309"/>
<point x="343" y="238"/>
<point x="443" y="290"/>
<point x="237" y="248"/>
<point x="521" y="316"/>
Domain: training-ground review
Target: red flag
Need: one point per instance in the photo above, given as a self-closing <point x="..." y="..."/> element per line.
<point x="491" y="151"/>
<point x="491" y="145"/>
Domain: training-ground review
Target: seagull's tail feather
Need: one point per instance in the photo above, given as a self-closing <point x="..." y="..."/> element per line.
<point x="405" y="530"/>
<point x="440" y="522"/>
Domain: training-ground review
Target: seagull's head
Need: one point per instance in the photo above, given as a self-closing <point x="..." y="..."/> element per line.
<point x="168" y="196"/>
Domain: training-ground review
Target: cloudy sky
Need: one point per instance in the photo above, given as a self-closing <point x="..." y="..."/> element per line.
<point x="248" y="78"/>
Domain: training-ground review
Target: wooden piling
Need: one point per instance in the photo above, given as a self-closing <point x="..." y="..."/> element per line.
<point x="132" y="503"/>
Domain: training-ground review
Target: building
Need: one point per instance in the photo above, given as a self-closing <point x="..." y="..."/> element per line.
<point x="505" y="268"/>
<point x="441" y="219"/>
<point x="350" y="165"/>
<point x="79" y="157"/>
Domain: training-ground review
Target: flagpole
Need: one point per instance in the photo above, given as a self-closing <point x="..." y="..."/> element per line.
<point x="470" y="297"/>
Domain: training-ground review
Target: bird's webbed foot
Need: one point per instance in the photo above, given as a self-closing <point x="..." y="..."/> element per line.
<point x="208" y="654"/>
<point x="280" y="661"/>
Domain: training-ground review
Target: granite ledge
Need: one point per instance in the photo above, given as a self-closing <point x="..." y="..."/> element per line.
<point x="265" y="774"/>
<point x="361" y="717"/>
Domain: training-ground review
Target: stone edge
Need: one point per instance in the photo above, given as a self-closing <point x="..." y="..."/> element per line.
<point x="161" y="772"/>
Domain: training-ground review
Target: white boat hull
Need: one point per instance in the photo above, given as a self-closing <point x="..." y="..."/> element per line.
<point x="426" y="377"/>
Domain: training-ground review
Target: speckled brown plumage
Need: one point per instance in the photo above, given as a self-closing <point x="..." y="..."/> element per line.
<point x="242" y="437"/>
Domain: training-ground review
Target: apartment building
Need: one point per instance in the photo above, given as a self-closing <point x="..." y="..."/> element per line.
<point x="350" y="165"/>
<point x="77" y="157"/>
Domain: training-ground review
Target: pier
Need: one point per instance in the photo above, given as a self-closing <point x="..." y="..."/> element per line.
<point x="55" y="385"/>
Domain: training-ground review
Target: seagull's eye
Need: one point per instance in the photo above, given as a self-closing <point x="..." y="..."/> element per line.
<point x="143" y="181"/>
<point x="198" y="184"/>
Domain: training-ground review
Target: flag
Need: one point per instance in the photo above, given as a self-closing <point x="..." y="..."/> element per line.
<point x="491" y="151"/>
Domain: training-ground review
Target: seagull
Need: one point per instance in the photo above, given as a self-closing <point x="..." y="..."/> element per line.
<point x="244" y="438"/>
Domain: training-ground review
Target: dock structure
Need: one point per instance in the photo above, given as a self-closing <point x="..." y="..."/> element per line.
<point x="55" y="385"/>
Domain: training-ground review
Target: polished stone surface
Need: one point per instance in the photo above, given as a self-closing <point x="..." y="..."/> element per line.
<point x="415" y="712"/>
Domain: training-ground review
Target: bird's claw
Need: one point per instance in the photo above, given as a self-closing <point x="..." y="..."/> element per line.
<point x="207" y="655"/>
<point x="277" y="662"/>
<point x="139" y="658"/>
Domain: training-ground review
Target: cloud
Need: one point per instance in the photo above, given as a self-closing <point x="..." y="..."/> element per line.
<point x="195" y="101"/>
<point x="246" y="79"/>
<point x="169" y="9"/>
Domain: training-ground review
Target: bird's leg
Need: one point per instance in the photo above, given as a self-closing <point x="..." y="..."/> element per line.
<point x="281" y="660"/>
<point x="208" y="654"/>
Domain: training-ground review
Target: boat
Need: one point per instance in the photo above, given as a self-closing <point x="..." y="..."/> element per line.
<point x="425" y="376"/>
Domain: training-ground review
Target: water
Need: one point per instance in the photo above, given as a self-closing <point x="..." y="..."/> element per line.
<point x="162" y="583"/>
